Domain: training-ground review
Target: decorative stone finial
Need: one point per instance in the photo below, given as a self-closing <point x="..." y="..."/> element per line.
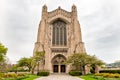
<point x="74" y="8"/>
<point x="74" y="11"/>
<point x="44" y="8"/>
<point x="59" y="7"/>
<point x="44" y="12"/>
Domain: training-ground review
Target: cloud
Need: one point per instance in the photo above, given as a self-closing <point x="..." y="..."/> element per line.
<point x="99" y="19"/>
<point x="101" y="31"/>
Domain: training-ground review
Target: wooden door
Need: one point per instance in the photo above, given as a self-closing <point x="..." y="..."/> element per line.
<point x="55" y="68"/>
<point x="63" y="68"/>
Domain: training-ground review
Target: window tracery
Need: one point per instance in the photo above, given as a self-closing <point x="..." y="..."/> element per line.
<point x="59" y="37"/>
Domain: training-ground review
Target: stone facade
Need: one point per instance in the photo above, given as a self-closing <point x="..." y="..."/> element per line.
<point x="57" y="42"/>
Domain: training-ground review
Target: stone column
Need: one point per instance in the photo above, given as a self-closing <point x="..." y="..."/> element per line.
<point x="59" y="68"/>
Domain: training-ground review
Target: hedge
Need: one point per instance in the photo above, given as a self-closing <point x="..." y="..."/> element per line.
<point x="108" y="75"/>
<point x="110" y="71"/>
<point x="75" y="73"/>
<point x="43" y="73"/>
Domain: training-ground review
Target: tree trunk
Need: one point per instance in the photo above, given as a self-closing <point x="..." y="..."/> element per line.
<point x="32" y="69"/>
<point x="38" y="67"/>
<point x="29" y="69"/>
<point x="81" y="69"/>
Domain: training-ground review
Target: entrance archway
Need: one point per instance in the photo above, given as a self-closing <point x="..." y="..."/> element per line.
<point x="58" y="64"/>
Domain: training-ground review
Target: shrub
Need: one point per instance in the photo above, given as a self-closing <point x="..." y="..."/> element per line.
<point x="1" y="75"/>
<point x="43" y="73"/>
<point x="110" y="71"/>
<point x="21" y="74"/>
<point x="10" y="75"/>
<point x="108" y="75"/>
<point x="75" y="73"/>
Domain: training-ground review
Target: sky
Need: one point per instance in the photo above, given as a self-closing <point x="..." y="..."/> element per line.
<point x="99" y="20"/>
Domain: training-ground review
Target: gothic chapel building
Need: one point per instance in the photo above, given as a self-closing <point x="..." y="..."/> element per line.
<point x="59" y="36"/>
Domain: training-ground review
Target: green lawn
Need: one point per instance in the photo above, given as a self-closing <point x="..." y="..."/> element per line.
<point x="88" y="77"/>
<point x="31" y="77"/>
<point x="92" y="77"/>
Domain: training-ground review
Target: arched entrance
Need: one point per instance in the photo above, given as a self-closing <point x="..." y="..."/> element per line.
<point x="58" y="64"/>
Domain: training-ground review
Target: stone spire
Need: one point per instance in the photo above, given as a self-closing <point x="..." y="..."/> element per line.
<point x="44" y="11"/>
<point x="44" y="8"/>
<point x="74" y="11"/>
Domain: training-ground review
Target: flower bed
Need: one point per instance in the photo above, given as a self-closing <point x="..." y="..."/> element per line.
<point x="11" y="75"/>
<point x="108" y="75"/>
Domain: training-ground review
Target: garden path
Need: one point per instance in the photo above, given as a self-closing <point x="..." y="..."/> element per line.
<point x="59" y="77"/>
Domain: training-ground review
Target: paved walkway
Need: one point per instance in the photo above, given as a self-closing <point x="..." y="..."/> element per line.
<point x="59" y="77"/>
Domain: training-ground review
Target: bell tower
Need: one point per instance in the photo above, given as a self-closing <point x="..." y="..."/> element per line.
<point x="59" y="36"/>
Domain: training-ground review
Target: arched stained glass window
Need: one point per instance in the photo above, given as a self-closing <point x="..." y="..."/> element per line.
<point x="59" y="36"/>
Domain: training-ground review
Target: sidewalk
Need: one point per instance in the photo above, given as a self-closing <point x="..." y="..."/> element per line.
<point x="59" y="77"/>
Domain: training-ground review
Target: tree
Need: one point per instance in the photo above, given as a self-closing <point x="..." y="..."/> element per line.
<point x="80" y="60"/>
<point x="25" y="62"/>
<point x="95" y="62"/>
<point x="5" y="65"/>
<point x="38" y="58"/>
<point x="13" y="68"/>
<point x="3" y="51"/>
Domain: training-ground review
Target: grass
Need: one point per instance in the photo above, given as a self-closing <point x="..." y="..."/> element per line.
<point x="92" y="77"/>
<point x="31" y="77"/>
<point x="88" y="77"/>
